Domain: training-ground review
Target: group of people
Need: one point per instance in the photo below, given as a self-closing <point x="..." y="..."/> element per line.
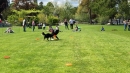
<point x="33" y="25"/>
<point x="53" y="31"/>
<point x="71" y="22"/>
<point x="126" y="24"/>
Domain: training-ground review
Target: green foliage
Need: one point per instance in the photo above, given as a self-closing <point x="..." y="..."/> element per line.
<point x="49" y="4"/>
<point x="13" y="19"/>
<point x="40" y="6"/>
<point x="103" y="20"/>
<point x="67" y="11"/>
<point x="36" y="20"/>
<point x="52" y="20"/>
<point x="6" y="13"/>
<point x="49" y="8"/>
<point x="104" y="7"/>
<point x="22" y="13"/>
<point x="124" y="9"/>
<point x="84" y="6"/>
<point x="42" y="17"/>
<point x="118" y="16"/>
<point x="46" y="10"/>
<point x="82" y="17"/>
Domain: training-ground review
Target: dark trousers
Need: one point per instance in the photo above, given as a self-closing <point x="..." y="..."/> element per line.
<point x="33" y="27"/>
<point x="66" y="26"/>
<point x="128" y="27"/>
<point x="24" y="28"/>
<point x="71" y="26"/>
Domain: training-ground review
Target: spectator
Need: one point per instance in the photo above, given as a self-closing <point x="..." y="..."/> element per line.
<point x="129" y="25"/>
<point x="125" y="25"/>
<point x="66" y="24"/>
<point x="44" y="26"/>
<point x="0" y="22"/>
<point x="71" y="23"/>
<point x="24" y="25"/>
<point x="33" y="25"/>
<point x="9" y="30"/>
<point x="74" y="22"/>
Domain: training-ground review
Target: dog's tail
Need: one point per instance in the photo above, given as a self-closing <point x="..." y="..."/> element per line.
<point x="43" y="33"/>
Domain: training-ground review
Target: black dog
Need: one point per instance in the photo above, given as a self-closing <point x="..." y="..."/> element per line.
<point x="47" y="36"/>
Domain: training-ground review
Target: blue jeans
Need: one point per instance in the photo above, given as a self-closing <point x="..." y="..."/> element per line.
<point x="125" y="26"/>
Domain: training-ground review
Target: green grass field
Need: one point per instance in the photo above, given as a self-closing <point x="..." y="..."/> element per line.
<point x="89" y="51"/>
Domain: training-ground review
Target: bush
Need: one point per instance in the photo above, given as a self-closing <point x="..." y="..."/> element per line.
<point x="103" y="20"/>
<point x="42" y="18"/>
<point x="83" y="17"/>
<point x="13" y="20"/>
<point x="52" y="20"/>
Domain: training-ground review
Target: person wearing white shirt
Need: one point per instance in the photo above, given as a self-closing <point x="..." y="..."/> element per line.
<point x="43" y="26"/>
<point x="24" y="25"/>
<point x="71" y="23"/>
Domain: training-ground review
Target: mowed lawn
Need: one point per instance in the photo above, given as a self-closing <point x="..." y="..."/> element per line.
<point x="88" y="51"/>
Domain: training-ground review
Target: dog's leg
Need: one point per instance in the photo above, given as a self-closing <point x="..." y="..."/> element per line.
<point x="57" y="37"/>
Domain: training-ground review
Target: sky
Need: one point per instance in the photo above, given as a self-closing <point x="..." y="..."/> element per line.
<point x="59" y="2"/>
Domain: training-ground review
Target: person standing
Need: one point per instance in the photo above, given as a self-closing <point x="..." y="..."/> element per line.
<point x="24" y="25"/>
<point x="33" y="25"/>
<point x="43" y="26"/>
<point x="66" y="24"/>
<point x="125" y="25"/>
<point x="0" y="22"/>
<point x="71" y="23"/>
<point x="129" y="25"/>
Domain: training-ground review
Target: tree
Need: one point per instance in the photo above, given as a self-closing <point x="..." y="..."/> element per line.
<point x="124" y="9"/>
<point x="48" y="9"/>
<point x="84" y="11"/>
<point x="50" y="6"/>
<point x="83" y="7"/>
<point x="3" y="5"/>
<point x="67" y="11"/>
<point x="40" y="6"/>
<point x="6" y="12"/>
<point x="42" y="17"/>
<point x="104" y="8"/>
<point x="24" y="4"/>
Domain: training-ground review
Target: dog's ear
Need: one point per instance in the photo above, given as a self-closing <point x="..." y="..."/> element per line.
<point x="43" y="33"/>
